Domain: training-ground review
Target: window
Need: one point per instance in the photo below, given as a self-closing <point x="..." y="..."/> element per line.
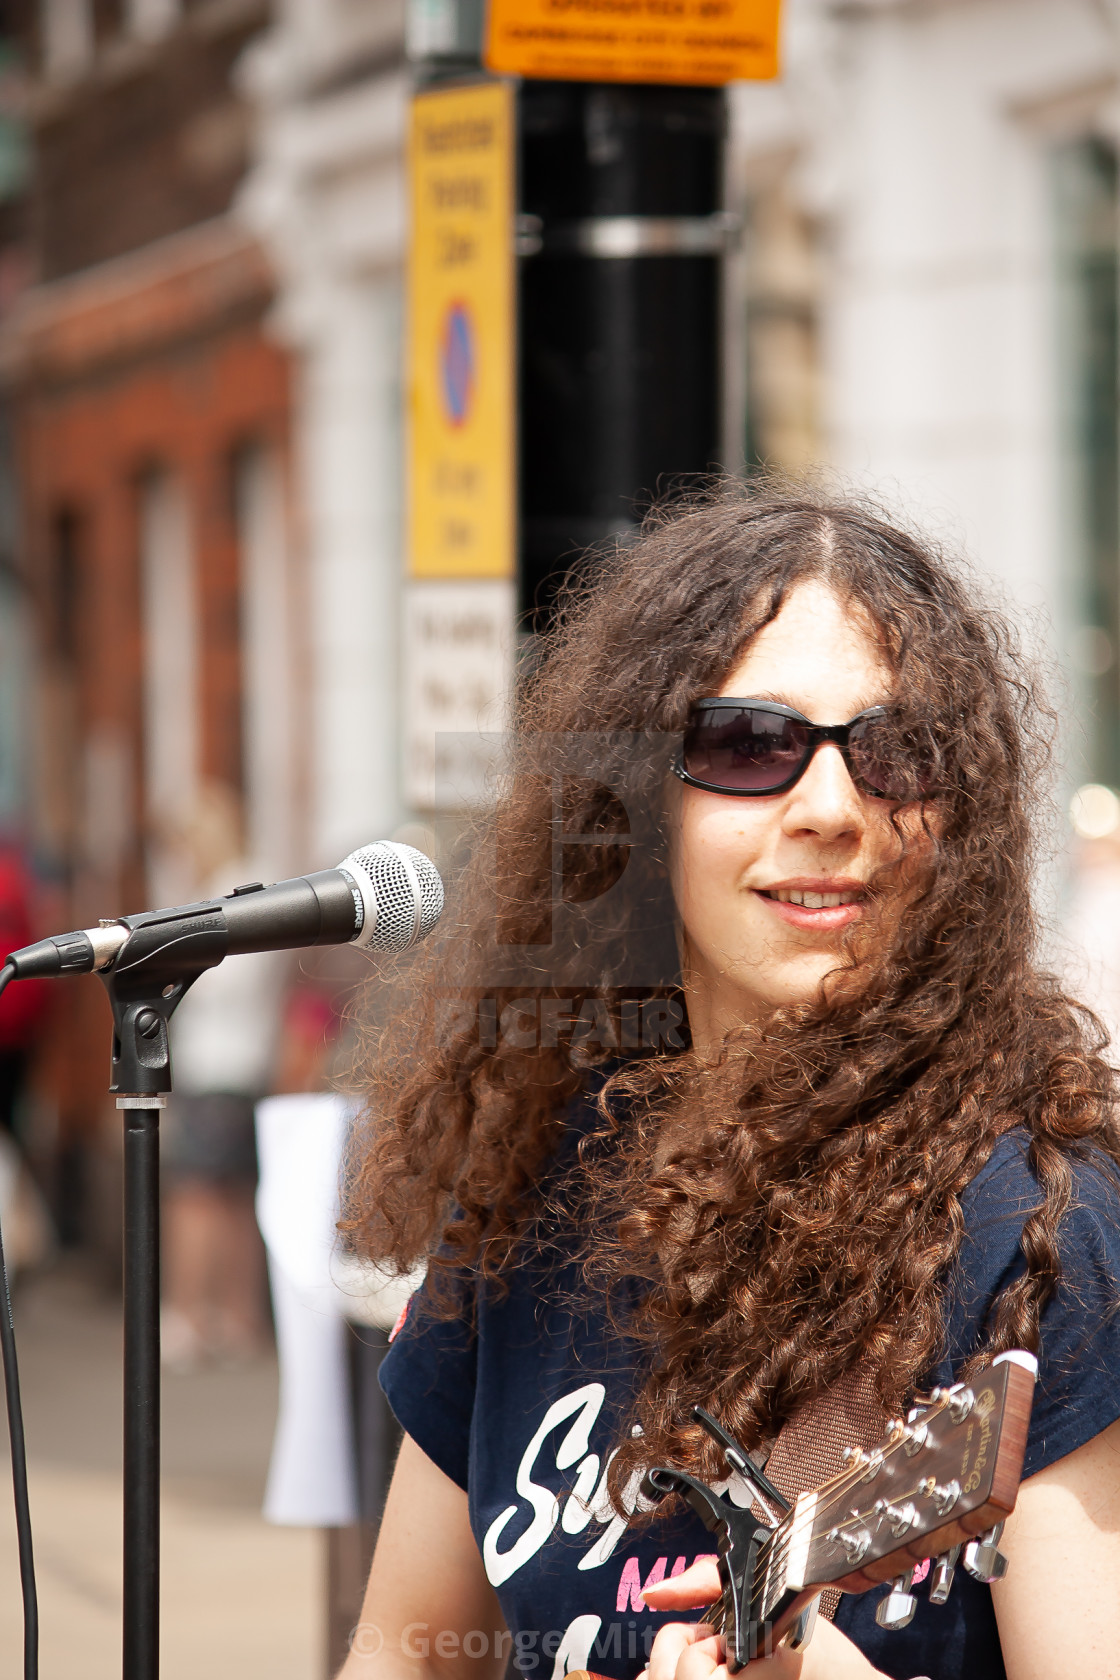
<point x="1085" y="186"/>
<point x="67" y="38"/>
<point x="67" y="544"/>
<point x="151" y="18"/>
<point x="169" y="616"/>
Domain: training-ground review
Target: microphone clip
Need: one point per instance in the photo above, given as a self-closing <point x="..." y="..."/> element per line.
<point x="163" y="956"/>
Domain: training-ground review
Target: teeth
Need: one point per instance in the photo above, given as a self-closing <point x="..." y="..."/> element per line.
<point x="812" y="900"/>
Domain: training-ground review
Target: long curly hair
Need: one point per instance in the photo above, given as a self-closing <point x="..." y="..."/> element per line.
<point x="795" y="1208"/>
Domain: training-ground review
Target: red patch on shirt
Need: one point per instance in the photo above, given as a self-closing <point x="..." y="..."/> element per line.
<point x="399" y="1325"/>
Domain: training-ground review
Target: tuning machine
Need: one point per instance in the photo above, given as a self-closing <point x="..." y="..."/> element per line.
<point x="958" y="1400"/>
<point x="941" y="1575"/>
<point x="896" y="1609"/>
<point x="943" y="1494"/>
<point x="983" y="1558"/>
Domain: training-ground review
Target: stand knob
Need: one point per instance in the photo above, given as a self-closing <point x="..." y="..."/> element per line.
<point x="941" y="1576"/>
<point x="983" y="1558"/>
<point x="896" y="1610"/>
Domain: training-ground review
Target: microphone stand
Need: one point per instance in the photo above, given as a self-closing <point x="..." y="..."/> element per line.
<point x="145" y="987"/>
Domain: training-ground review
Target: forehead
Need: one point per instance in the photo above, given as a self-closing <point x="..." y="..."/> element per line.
<point x="821" y="654"/>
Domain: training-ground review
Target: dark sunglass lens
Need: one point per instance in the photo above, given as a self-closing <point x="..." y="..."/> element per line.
<point x="890" y="763"/>
<point x="743" y="750"/>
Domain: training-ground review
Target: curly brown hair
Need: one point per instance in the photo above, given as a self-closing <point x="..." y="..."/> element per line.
<point x="795" y="1208"/>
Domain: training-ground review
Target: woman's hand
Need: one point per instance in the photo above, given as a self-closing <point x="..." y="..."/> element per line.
<point x="690" y="1651"/>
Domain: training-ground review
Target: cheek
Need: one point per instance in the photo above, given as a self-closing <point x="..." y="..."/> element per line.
<point x="715" y="840"/>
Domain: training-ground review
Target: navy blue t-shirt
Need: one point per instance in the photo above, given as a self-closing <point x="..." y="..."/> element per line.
<point x="522" y="1408"/>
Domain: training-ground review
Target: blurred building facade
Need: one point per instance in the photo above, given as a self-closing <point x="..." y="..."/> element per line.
<point x="932" y="297"/>
<point x="203" y="381"/>
<point x="150" y="416"/>
<point x="326" y="197"/>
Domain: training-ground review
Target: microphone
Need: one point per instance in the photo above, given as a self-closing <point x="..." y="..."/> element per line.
<point x="383" y="897"/>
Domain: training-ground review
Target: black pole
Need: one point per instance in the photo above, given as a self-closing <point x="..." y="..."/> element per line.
<point x="622" y="236"/>
<point x="141" y="1390"/>
<point x="145" y="988"/>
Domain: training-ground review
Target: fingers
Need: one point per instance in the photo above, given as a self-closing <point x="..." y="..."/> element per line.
<point x="702" y="1661"/>
<point x="685" y="1651"/>
<point x="695" y="1586"/>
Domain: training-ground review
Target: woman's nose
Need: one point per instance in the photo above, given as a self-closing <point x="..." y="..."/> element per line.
<point x="825" y="801"/>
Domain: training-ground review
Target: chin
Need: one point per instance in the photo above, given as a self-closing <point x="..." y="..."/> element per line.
<point x="793" y="990"/>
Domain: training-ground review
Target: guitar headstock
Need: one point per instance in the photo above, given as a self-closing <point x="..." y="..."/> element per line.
<point x="946" y="1473"/>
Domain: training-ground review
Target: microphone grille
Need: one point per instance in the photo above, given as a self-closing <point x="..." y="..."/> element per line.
<point x="403" y="893"/>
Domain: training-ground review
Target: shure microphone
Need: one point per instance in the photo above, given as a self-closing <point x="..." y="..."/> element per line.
<point x="383" y="897"/>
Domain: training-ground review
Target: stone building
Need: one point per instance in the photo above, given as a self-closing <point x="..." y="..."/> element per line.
<point x="326" y="197"/>
<point x="151" y="422"/>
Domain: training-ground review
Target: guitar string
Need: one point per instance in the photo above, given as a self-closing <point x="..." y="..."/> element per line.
<point x="778" y="1547"/>
<point x="867" y="1515"/>
<point x="839" y="1486"/>
<point x="776" y="1552"/>
<point x="719" y="1620"/>
<point x="761" y="1595"/>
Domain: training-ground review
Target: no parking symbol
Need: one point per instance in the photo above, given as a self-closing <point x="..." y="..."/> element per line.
<point x="457" y="362"/>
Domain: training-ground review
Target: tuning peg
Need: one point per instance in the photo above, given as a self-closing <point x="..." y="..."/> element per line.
<point x="943" y="1494"/>
<point x="983" y="1558"/>
<point x="899" y="1517"/>
<point x="941" y="1575"/>
<point x="917" y="1436"/>
<point x="855" y="1542"/>
<point x="896" y="1609"/>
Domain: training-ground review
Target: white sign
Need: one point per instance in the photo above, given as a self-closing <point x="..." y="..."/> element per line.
<point x="458" y="670"/>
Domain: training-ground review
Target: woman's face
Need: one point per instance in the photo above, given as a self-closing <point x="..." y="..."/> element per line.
<point x="749" y="875"/>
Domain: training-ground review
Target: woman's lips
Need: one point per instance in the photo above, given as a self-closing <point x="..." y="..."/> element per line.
<point x="817" y="918"/>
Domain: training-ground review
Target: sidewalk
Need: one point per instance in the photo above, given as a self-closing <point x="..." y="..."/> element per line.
<point x="241" y="1599"/>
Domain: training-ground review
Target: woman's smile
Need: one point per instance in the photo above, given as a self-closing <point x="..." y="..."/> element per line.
<point x="819" y="905"/>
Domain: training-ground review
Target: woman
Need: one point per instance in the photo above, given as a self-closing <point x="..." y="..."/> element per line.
<point x="879" y="1139"/>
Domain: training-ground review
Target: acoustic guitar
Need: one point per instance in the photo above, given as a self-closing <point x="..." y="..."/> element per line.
<point x="939" y="1487"/>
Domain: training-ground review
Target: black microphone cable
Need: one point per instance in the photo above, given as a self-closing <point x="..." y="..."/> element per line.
<point x="19" y="1456"/>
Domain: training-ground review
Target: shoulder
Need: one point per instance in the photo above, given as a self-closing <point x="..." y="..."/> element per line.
<point x="458" y="1317"/>
<point x="1006" y="1191"/>
<point x="1079" y="1342"/>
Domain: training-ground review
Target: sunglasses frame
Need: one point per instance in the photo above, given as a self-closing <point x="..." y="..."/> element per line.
<point x="837" y="734"/>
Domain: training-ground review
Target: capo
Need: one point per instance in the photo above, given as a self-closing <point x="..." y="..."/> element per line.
<point x="739" y="1535"/>
<point x="741" y="1461"/>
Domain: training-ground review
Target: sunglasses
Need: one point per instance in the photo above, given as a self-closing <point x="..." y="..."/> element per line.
<point x="753" y="747"/>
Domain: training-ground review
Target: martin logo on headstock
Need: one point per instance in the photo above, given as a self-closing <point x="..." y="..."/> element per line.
<point x="940" y="1485"/>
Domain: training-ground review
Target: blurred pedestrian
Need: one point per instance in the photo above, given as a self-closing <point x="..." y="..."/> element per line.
<point x="23" y="1214"/>
<point x="309" y="1042"/>
<point x="224" y="1044"/>
<point x="23" y="1007"/>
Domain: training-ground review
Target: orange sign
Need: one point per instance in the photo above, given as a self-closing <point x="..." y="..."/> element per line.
<point x="707" y="42"/>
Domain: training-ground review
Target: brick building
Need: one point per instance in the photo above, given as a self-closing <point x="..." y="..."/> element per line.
<point x="150" y="413"/>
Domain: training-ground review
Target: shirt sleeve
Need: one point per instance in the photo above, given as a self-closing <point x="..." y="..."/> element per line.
<point x="1078" y="1390"/>
<point x="429" y="1377"/>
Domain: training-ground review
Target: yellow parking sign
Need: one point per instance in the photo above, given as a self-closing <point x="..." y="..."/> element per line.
<point x="461" y="333"/>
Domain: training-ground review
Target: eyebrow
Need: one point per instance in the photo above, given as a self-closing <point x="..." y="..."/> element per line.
<point x="864" y="705"/>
